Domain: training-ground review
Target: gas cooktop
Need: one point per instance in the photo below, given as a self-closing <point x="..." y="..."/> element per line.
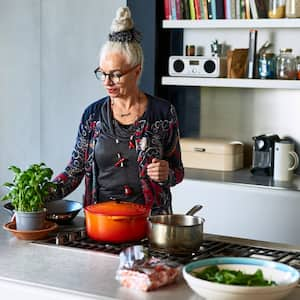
<point x="212" y="246"/>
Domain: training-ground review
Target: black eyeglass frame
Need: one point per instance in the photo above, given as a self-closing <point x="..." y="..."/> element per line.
<point x="103" y="75"/>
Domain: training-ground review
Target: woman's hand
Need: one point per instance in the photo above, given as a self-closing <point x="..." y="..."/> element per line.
<point x="158" y="170"/>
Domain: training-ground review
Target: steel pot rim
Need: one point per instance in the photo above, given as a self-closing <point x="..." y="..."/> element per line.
<point x="202" y="220"/>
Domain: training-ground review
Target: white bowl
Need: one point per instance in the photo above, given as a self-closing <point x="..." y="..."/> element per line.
<point x="285" y="277"/>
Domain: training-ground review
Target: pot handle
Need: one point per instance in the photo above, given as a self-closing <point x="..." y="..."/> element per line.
<point x="194" y="209"/>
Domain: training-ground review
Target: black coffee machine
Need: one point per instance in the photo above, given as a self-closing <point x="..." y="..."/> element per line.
<point x="263" y="154"/>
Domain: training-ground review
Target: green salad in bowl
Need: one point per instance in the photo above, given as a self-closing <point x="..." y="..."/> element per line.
<point x="240" y="278"/>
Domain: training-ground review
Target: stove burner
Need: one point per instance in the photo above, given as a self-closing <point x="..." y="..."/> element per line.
<point x="209" y="248"/>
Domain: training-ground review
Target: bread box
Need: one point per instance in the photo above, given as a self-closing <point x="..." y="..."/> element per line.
<point x="212" y="154"/>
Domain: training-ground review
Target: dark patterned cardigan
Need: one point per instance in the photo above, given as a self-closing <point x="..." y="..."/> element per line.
<point x="156" y="136"/>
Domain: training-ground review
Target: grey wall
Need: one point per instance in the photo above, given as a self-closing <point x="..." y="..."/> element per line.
<point x="48" y="51"/>
<point x="19" y="83"/>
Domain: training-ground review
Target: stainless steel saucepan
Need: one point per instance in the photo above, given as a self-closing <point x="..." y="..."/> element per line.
<point x="177" y="233"/>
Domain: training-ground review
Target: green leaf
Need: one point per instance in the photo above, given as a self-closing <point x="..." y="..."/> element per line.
<point x="213" y="273"/>
<point x="29" y="187"/>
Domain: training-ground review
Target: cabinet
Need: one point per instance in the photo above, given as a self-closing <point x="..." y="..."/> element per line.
<point x="248" y="107"/>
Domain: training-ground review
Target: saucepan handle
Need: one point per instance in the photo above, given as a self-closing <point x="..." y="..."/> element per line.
<point x="194" y="209"/>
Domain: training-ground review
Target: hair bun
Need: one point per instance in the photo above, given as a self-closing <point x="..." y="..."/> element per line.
<point x="122" y="21"/>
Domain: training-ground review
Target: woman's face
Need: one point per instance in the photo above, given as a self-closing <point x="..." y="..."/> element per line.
<point x="116" y="64"/>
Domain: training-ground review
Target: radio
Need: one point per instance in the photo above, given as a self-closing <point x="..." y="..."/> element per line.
<point x="197" y="66"/>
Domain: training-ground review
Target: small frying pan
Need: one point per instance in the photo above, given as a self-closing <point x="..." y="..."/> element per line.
<point x="60" y="211"/>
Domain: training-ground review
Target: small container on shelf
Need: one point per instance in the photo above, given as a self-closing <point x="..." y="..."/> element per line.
<point x="292" y="9"/>
<point x="190" y="50"/>
<point x="286" y="64"/>
<point x="267" y="66"/>
<point x="298" y="67"/>
<point x="276" y="9"/>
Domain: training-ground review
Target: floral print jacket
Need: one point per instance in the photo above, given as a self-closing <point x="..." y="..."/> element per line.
<point x="156" y="136"/>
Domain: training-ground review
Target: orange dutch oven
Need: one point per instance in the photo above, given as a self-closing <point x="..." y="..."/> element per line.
<point x="116" y="221"/>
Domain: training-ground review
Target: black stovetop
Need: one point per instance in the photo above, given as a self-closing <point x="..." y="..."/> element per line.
<point x="74" y="236"/>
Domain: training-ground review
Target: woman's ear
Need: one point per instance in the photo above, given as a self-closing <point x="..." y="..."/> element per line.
<point x="138" y="71"/>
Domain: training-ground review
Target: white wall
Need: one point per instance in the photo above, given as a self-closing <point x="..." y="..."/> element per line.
<point x="48" y="51"/>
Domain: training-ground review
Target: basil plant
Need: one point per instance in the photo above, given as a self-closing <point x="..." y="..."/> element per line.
<point x="29" y="187"/>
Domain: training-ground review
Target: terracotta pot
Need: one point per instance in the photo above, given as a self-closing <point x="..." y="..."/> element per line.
<point x="116" y="222"/>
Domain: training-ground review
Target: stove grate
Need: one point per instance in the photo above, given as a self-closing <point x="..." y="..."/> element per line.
<point x="209" y="248"/>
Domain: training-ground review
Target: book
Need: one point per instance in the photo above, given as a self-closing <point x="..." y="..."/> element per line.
<point x="209" y="9"/>
<point x="247" y="9"/>
<point x="243" y="9"/>
<point x="203" y="4"/>
<point x="253" y="9"/>
<point x="167" y="9"/>
<point x="173" y="9"/>
<point x="186" y="9"/>
<point x="179" y="9"/>
<point x="227" y="9"/>
<point x="192" y="10"/>
<point x="197" y="9"/>
<point x="238" y="9"/>
<point x="213" y="9"/>
<point x="262" y="9"/>
<point x="232" y="9"/>
<point x="251" y="61"/>
<point x="220" y="9"/>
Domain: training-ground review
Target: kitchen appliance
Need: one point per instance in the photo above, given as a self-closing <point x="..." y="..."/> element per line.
<point x="212" y="154"/>
<point x="263" y="154"/>
<point x="212" y="246"/>
<point x="197" y="66"/>
<point x="176" y="233"/>
<point x="286" y="160"/>
<point x="116" y="221"/>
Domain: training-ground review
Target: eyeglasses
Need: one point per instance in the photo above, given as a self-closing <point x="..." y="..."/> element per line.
<point x="113" y="76"/>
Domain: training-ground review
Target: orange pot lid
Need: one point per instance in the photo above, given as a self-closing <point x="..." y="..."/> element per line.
<point x="114" y="208"/>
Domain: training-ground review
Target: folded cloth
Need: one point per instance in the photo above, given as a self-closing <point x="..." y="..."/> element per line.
<point x="145" y="273"/>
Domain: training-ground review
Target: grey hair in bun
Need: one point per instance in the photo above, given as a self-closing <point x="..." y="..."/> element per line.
<point x="124" y="39"/>
<point x="122" y="21"/>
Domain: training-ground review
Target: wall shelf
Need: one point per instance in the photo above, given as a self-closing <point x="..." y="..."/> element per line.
<point x="234" y="23"/>
<point x="228" y="82"/>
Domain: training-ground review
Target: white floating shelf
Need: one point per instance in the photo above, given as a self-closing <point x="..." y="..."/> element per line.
<point x="235" y="83"/>
<point x="232" y="23"/>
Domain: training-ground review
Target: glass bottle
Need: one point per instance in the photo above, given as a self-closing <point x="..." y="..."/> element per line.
<point x="298" y="67"/>
<point x="286" y="64"/>
<point x="267" y="65"/>
<point x="276" y="9"/>
<point x="292" y="9"/>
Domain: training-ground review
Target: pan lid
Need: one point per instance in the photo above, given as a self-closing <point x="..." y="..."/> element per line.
<point x="118" y="208"/>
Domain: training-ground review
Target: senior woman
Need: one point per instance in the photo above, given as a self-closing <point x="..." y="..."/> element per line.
<point x="127" y="146"/>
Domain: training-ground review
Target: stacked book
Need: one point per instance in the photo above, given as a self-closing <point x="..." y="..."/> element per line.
<point x="215" y="9"/>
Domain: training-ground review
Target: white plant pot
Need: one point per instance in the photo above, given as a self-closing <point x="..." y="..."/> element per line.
<point x="28" y="221"/>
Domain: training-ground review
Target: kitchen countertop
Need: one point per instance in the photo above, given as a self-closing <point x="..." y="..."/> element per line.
<point x="242" y="177"/>
<point x="34" y="271"/>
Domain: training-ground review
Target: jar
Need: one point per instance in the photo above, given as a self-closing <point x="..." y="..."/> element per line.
<point x="286" y="64"/>
<point x="298" y="67"/>
<point x="267" y="66"/>
<point x="292" y="9"/>
<point x="190" y="50"/>
<point x="276" y="9"/>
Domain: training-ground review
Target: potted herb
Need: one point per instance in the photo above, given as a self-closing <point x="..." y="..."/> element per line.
<point x="27" y="194"/>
